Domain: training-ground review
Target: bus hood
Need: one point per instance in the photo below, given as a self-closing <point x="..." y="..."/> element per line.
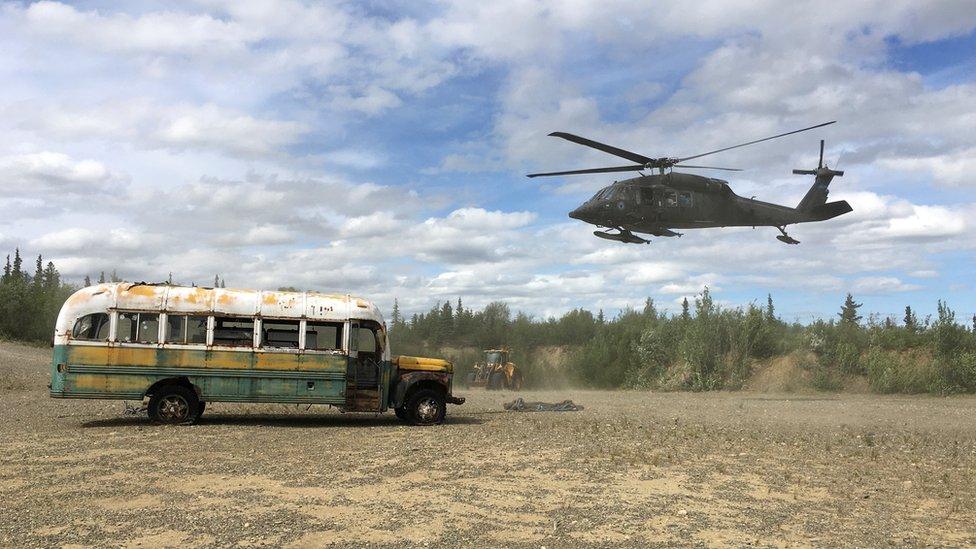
<point x="419" y="363"/>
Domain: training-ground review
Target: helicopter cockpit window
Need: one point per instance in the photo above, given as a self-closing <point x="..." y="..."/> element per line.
<point x="603" y="194"/>
<point x="670" y="199"/>
<point x="684" y="199"/>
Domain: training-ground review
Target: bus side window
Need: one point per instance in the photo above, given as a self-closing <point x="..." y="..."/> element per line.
<point x="93" y="327"/>
<point x="196" y="329"/>
<point x="186" y="329"/>
<point x="125" y="329"/>
<point x="234" y="332"/>
<point x="138" y="328"/>
<point x="175" y="329"/>
<point x="323" y="336"/>
<point x="282" y="334"/>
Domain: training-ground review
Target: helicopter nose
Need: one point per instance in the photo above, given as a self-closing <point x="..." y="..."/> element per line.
<point x="575" y="214"/>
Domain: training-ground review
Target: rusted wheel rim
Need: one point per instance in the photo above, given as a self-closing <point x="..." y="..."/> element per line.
<point x="427" y="410"/>
<point x="174" y="408"/>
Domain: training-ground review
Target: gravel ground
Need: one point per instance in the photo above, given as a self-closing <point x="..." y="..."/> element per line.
<point x="633" y="468"/>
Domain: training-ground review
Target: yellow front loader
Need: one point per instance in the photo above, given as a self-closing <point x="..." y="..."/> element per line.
<point x="496" y="372"/>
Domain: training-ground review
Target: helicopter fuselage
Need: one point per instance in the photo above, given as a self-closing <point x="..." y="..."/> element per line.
<point x="655" y="204"/>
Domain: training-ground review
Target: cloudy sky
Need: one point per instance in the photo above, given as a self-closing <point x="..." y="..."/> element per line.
<point x="380" y="147"/>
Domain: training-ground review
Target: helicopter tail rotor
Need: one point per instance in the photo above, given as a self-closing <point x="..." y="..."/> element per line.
<point x="821" y="169"/>
<point x="816" y="197"/>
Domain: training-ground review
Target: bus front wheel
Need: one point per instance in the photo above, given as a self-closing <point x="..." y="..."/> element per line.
<point x="174" y="405"/>
<point x="426" y="407"/>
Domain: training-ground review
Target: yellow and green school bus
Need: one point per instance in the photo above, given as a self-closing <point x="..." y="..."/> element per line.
<point x="182" y="347"/>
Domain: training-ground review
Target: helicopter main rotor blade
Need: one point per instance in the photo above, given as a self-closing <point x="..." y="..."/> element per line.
<point x="632" y="156"/>
<point x="708" y="168"/>
<point x="633" y="168"/>
<point x="756" y="141"/>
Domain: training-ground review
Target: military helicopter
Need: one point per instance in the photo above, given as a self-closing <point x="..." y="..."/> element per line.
<point x="657" y="204"/>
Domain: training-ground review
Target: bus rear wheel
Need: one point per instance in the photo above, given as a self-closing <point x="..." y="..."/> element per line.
<point x="174" y="405"/>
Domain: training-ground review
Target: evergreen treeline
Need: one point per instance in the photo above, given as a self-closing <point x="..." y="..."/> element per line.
<point x="702" y="347"/>
<point x="29" y="303"/>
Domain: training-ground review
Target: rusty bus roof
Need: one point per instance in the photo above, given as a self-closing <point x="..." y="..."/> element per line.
<point x="228" y="301"/>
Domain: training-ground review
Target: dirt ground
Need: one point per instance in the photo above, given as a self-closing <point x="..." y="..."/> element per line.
<point x="716" y="469"/>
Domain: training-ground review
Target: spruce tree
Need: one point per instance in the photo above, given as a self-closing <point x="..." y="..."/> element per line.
<point x="38" y="279"/>
<point x="6" y="269"/>
<point x="395" y="318"/>
<point x="115" y="276"/>
<point x="911" y="321"/>
<point x="101" y="278"/>
<point x="446" y="321"/>
<point x="770" y="310"/>
<point x="848" y="312"/>
<point x="52" y="278"/>
<point x="17" y="273"/>
<point x="87" y="281"/>
<point x="685" y="309"/>
<point x="216" y="281"/>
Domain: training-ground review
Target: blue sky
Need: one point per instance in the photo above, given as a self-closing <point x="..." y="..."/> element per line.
<point x="380" y="148"/>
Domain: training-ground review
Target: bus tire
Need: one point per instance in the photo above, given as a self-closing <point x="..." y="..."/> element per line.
<point x="174" y="405"/>
<point x="200" y="409"/>
<point x="426" y="407"/>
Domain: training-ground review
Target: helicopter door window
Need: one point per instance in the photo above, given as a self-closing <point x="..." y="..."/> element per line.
<point x="684" y="199"/>
<point x="670" y="199"/>
<point x="646" y="195"/>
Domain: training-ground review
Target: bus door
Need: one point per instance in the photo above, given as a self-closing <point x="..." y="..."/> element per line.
<point x="363" y="370"/>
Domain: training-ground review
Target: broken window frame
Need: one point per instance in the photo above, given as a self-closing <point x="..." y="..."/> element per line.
<point x="185" y="323"/>
<point x="139" y="330"/>
<point x="263" y="331"/>
<point x="242" y="342"/>
<point x="104" y="322"/>
<point x="341" y="329"/>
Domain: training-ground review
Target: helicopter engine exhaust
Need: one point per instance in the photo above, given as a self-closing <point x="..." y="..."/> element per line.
<point x="623" y="236"/>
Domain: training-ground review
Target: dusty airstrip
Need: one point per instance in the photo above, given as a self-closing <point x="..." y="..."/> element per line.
<point x="631" y="469"/>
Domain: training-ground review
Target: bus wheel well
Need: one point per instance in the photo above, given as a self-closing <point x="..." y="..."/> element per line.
<point x="424" y="384"/>
<point x="182" y="380"/>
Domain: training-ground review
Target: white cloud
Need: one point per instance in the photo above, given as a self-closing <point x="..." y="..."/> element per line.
<point x="52" y="172"/>
<point x="175" y="126"/>
<point x="159" y="32"/>
<point x="958" y="168"/>
<point x="881" y="285"/>
<point x="78" y="239"/>
<point x="231" y="88"/>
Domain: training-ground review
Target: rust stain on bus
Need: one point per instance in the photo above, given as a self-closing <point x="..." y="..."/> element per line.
<point x="197" y="358"/>
<point x="141" y="290"/>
